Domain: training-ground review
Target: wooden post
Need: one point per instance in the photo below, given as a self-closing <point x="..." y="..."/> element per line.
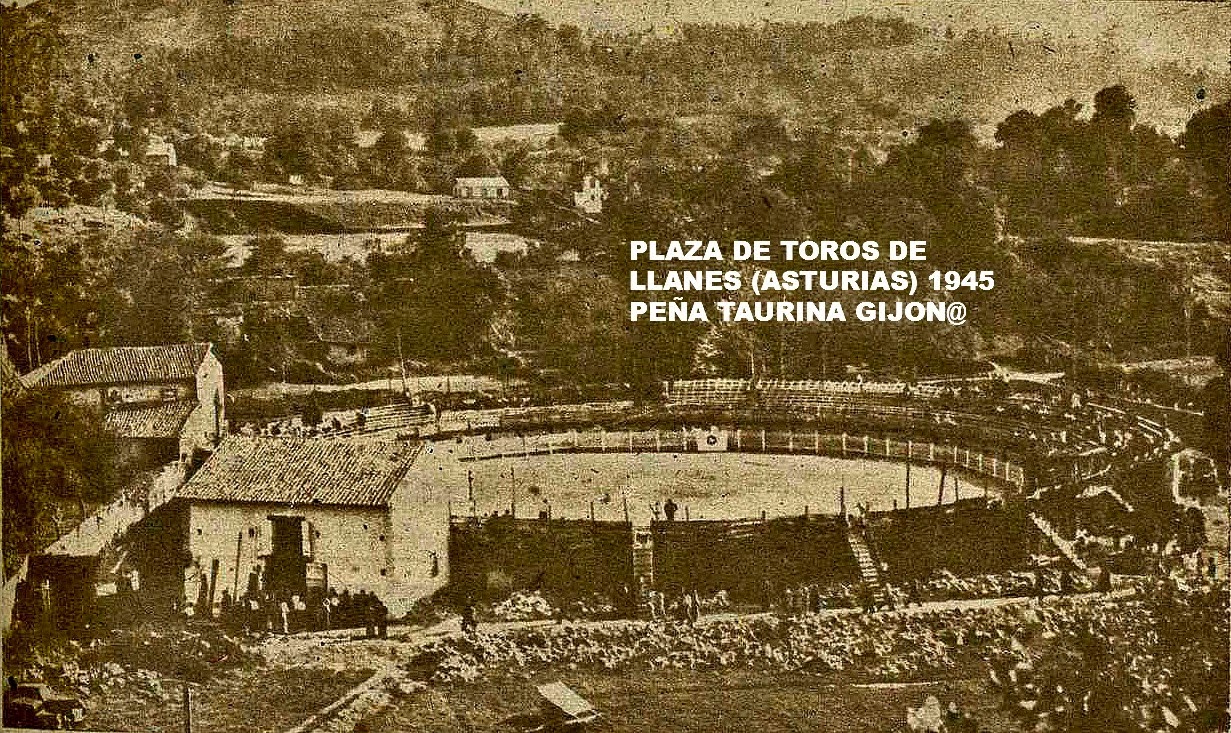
<point x="842" y="501"/>
<point x="626" y="518"/>
<point x="686" y="517"/>
<point x="907" y="482"/>
<point x="187" y="707"/>
<point x="239" y="546"/>
<point x="513" y="486"/>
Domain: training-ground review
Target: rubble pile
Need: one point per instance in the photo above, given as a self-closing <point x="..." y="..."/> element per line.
<point x="943" y="585"/>
<point x="77" y="670"/>
<point x="890" y="646"/>
<point x="593" y="606"/>
<point x="523" y="606"/>
<point x="193" y="653"/>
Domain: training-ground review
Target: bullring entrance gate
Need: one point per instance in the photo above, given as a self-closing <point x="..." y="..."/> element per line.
<point x="286" y="568"/>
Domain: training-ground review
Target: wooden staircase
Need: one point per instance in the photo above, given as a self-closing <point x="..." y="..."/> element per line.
<point x="868" y="570"/>
<point x="1064" y="546"/>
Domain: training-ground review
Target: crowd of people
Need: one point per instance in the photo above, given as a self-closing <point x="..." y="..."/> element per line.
<point x="289" y="613"/>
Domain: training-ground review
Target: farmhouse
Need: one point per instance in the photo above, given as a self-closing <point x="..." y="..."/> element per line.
<point x="165" y="402"/>
<point x="161" y="153"/>
<point x="590" y="198"/>
<point x="482" y="187"/>
<point x="300" y="516"/>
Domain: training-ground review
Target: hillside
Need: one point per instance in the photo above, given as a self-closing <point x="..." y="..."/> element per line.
<point x="184" y="24"/>
<point x="893" y="69"/>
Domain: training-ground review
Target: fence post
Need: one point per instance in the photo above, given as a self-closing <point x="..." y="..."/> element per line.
<point x="187" y="706"/>
<point x="931" y="452"/>
<point x="790" y="441"/>
<point x="762" y="440"/>
<point x="843" y="445"/>
<point x="816" y="442"/>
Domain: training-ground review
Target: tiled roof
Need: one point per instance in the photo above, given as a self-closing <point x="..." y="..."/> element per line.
<point x="121" y="365"/>
<point x="481" y="181"/>
<point x="301" y="471"/>
<point x="162" y="420"/>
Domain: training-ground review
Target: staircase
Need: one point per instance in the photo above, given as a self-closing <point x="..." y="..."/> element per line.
<point x="867" y="566"/>
<point x="1065" y="546"/>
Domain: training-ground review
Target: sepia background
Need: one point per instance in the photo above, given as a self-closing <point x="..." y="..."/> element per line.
<point x="304" y="299"/>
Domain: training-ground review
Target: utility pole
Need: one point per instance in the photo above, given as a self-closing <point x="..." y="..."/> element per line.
<point x="402" y="363"/>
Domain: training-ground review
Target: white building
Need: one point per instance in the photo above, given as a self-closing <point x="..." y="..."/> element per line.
<point x="160" y="152"/>
<point x="590" y="198"/>
<point x="482" y="187"/>
<point x="167" y="401"/>
<point x="298" y="516"/>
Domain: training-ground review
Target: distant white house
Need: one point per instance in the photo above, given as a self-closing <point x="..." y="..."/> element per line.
<point x="482" y="187"/>
<point x="160" y="152"/>
<point x="590" y="198"/>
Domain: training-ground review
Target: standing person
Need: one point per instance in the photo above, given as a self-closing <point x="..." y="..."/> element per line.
<point x="1104" y="580"/>
<point x="913" y="594"/>
<point x="365" y="609"/>
<point x="686" y="604"/>
<point x="1039" y="590"/>
<point x="670" y="509"/>
<point x="380" y="614"/>
<point x="469" y="622"/>
<point x="1066" y="582"/>
<point x="284" y="611"/>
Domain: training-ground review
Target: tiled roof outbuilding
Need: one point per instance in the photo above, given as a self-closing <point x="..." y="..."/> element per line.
<point x="271" y="470"/>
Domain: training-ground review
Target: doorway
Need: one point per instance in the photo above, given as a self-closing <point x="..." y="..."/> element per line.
<point x="286" y="566"/>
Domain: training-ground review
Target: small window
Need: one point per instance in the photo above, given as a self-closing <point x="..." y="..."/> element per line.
<point x="252" y="532"/>
<point x="384" y="571"/>
<point x="365" y="525"/>
<point x="198" y="531"/>
<point x="382" y="538"/>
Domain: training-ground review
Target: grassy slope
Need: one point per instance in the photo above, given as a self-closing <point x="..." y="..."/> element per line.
<point x="683" y="701"/>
